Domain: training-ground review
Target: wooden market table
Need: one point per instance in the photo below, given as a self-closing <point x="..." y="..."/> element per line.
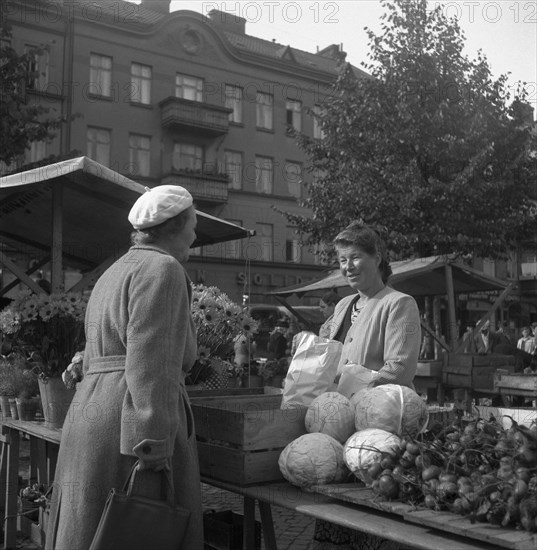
<point x="347" y="505"/>
<point x="44" y="445"/>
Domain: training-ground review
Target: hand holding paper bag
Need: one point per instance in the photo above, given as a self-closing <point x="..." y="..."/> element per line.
<point x="354" y="378"/>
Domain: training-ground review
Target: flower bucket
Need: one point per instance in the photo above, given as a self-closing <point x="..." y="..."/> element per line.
<point x="4" y="403"/>
<point x="27" y="408"/>
<point x="56" y="399"/>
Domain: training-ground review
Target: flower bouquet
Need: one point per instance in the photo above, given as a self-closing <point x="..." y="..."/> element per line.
<point x="48" y="329"/>
<point x="218" y="322"/>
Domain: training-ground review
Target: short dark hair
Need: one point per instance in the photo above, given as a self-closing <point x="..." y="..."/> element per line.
<point x="154" y="234"/>
<point x="368" y="240"/>
<point x="330" y="298"/>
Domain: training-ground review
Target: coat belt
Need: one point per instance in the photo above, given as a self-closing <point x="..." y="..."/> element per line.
<point x="110" y="363"/>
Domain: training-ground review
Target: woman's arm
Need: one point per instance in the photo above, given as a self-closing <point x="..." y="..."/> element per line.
<point x="401" y="343"/>
<point x="159" y="308"/>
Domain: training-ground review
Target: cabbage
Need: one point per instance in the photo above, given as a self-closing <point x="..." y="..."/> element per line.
<point x="366" y="447"/>
<point x="396" y="409"/>
<point x="313" y="459"/>
<point x="331" y="413"/>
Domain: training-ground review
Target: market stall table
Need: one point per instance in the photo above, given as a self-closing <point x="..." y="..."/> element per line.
<point x="331" y="503"/>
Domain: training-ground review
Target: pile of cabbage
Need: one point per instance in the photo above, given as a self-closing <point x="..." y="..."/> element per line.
<point x="345" y="436"/>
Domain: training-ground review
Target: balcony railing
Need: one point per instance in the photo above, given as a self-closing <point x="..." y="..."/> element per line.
<point x="195" y="115"/>
<point x="202" y="186"/>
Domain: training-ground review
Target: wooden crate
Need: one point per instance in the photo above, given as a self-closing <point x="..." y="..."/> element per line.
<point x="516" y="384"/>
<point x="475" y="371"/>
<point x="240" y="437"/>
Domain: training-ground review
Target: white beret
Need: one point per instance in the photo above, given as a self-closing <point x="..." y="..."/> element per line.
<point x="159" y="204"/>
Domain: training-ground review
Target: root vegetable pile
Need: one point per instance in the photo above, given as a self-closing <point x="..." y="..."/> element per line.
<point x="476" y="468"/>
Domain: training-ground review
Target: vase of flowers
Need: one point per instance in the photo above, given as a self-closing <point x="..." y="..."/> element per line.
<point x="218" y="322"/>
<point x="48" y="330"/>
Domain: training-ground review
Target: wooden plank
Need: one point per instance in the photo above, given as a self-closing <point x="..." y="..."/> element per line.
<point x="357" y="493"/>
<point x="34" y="428"/>
<point x="460" y="525"/>
<point x="526" y="382"/>
<point x="236" y="466"/>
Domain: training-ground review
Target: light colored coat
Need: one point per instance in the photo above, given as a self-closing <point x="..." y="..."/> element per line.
<point x="385" y="337"/>
<point x="132" y="402"/>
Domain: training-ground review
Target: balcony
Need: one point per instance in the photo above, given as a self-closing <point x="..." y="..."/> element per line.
<point x="203" y="118"/>
<point x="204" y="187"/>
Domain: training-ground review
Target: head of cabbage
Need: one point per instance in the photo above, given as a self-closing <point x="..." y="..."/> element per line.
<point x="366" y="447"/>
<point x="390" y="407"/>
<point x="331" y="413"/>
<point x="313" y="459"/>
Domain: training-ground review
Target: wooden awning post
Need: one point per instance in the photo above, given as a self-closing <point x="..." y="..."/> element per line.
<point x="56" y="251"/>
<point x="452" y="335"/>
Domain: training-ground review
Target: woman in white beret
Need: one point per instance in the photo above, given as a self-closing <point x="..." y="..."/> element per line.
<point x="132" y="404"/>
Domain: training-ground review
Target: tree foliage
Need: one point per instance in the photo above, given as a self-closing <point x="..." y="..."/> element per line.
<point x="427" y="149"/>
<point x="21" y="122"/>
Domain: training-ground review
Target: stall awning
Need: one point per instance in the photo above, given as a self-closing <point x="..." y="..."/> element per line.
<point x="95" y="204"/>
<point x="417" y="277"/>
<point x="74" y="213"/>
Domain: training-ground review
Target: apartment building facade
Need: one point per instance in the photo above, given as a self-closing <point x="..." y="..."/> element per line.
<point x="189" y="99"/>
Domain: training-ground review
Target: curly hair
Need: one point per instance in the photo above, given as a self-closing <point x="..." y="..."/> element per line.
<point x="367" y="239"/>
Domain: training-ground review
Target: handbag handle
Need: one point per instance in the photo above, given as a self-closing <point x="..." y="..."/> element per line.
<point x="170" y="491"/>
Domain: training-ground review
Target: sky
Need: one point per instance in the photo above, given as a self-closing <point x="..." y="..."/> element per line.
<point x="505" y="30"/>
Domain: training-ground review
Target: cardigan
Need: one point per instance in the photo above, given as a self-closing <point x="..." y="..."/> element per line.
<point x="385" y="337"/>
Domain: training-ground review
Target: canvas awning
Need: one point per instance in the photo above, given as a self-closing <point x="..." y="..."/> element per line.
<point x="77" y="210"/>
<point x="417" y="277"/>
<point x="431" y="276"/>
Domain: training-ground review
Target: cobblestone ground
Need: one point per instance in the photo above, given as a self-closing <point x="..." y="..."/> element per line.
<point x="293" y="531"/>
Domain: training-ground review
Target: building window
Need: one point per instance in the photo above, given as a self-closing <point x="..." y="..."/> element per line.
<point x="98" y="148"/>
<point x="233" y="168"/>
<point x="233" y="100"/>
<point x="264" y="109"/>
<point x="317" y="130"/>
<point x="292" y="248"/>
<point x="187" y="157"/>
<point x="100" y="80"/>
<point x="265" y="240"/>
<point x="293" y="113"/>
<point x="38" y="151"/>
<point x="188" y="87"/>
<point x="38" y="67"/>
<point x="264" y="174"/>
<point x="293" y="178"/>
<point x="139" y="154"/>
<point x="232" y="249"/>
<point x="489" y="267"/>
<point x="141" y="83"/>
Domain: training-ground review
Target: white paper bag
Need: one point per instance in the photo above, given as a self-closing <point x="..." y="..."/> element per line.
<point x="312" y="370"/>
<point x="355" y="378"/>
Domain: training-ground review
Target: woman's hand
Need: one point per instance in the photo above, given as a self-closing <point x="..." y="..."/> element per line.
<point x="154" y="465"/>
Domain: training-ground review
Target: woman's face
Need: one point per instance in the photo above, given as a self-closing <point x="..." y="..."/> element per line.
<point x="187" y="235"/>
<point x="326" y="309"/>
<point x="360" y="269"/>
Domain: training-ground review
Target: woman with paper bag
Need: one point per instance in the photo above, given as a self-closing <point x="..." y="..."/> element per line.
<point x="379" y="328"/>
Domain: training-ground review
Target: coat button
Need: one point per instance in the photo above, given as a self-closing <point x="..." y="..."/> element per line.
<point x="146" y="449"/>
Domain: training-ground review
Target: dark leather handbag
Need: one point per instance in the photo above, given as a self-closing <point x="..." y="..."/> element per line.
<point x="134" y="522"/>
